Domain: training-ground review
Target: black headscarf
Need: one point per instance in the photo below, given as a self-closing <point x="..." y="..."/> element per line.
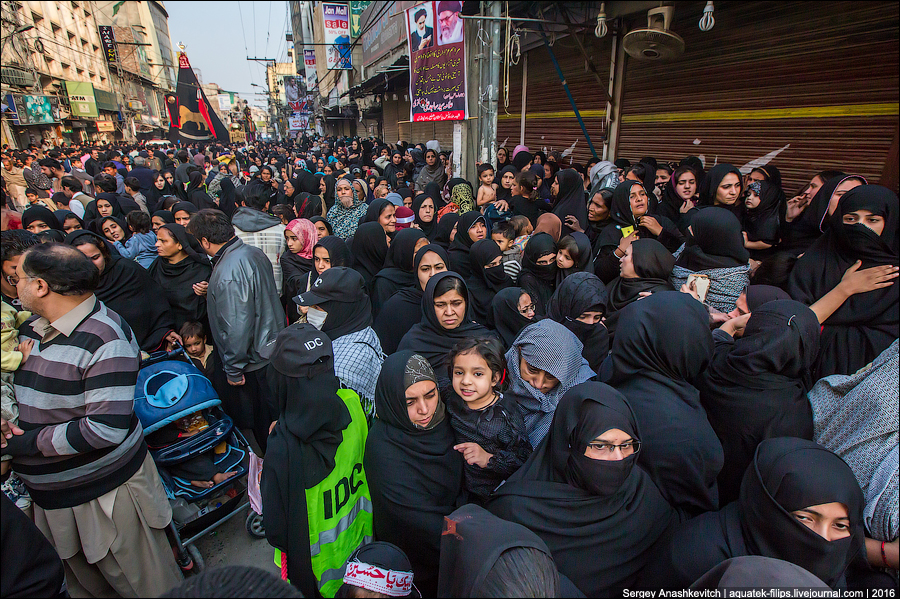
<point x="758" y="295"/>
<point x="184" y="207"/>
<point x="350" y="313"/>
<point x="653" y="264"/>
<point x="671" y="203"/>
<point x="444" y="229"/>
<point x="127" y="289"/>
<point x="786" y="475"/>
<point x="166" y="215"/>
<point x="328" y="196"/>
<point x="472" y="541"/>
<point x="321" y="219"/>
<point x="600" y="519"/>
<point x="663" y="342"/>
<point x="522" y="159"/>
<point x="373" y="212"/>
<point x="91" y="213"/>
<point x="756" y="388"/>
<point x="576" y="295"/>
<point x="337" y="249"/>
<point x="63" y="215"/>
<point x="227" y="197"/>
<point x="715" y="241"/>
<point x="502" y="192"/>
<point x="433" y="191"/>
<point x="369" y="250"/>
<point x="429" y="338"/>
<point x="390" y="171"/>
<point x="155" y="195"/>
<point x="40" y="213"/>
<point x="866" y="323"/>
<point x="404" y="309"/>
<point x="196" y="192"/>
<point x="750" y="571"/>
<point x="119" y="221"/>
<point x="459" y="247"/>
<point x="508" y="321"/>
<point x="539" y="280"/>
<point x="398" y="272"/>
<point x="414" y="475"/>
<point x="429" y="228"/>
<point x="763" y="223"/>
<point x="177" y="280"/>
<point x="303" y="445"/>
<point x="803" y="231"/>
<point x="584" y="260"/>
<point x="710" y="187"/>
<point x="570" y="200"/>
<point x="485" y="282"/>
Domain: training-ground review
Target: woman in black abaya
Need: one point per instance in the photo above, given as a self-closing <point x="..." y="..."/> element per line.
<point x="755" y="387"/>
<point x="431" y="337"/>
<point x="663" y="342"/>
<point x="398" y="272"/>
<point x="645" y="268"/>
<point x="723" y="186"/>
<point x="513" y="311"/>
<point x="578" y="304"/>
<point x="600" y="517"/>
<point x="404" y="309"/>
<point x="181" y="265"/>
<point x="369" y="248"/>
<point x="127" y="289"/>
<point x="570" y="200"/>
<point x="539" y="280"/>
<point x="488" y="277"/>
<point x="415" y="477"/>
<point x="196" y="192"/>
<point x="786" y="478"/>
<point x="445" y="231"/>
<point x="470" y="228"/>
<point x="865" y="324"/>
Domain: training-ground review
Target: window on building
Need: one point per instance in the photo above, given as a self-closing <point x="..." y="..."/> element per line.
<point x="55" y="28"/>
<point x="37" y="18"/>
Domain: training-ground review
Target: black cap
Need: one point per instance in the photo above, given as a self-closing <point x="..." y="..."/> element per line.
<point x="296" y="347"/>
<point x="339" y="284"/>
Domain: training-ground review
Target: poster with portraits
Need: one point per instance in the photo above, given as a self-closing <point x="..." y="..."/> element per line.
<point x="437" y="66"/>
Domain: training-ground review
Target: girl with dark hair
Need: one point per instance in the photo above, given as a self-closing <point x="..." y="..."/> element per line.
<point x="679" y="196"/>
<point x="490" y="428"/>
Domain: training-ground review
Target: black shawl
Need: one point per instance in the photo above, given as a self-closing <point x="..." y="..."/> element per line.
<point x="485" y="282"/>
<point x="444" y="229"/>
<point x="539" y="280"/>
<point x="710" y="187"/>
<point x="621" y="217"/>
<point x="459" y="247"/>
<point x="763" y="223"/>
<point x="867" y="323"/>
<point x="600" y="519"/>
<point x="196" y="192"/>
<point x="302" y="446"/>
<point x="328" y="196"/>
<point x="398" y="272"/>
<point x="177" y="280"/>
<point x="715" y="241"/>
<point x="91" y="214"/>
<point x="390" y="170"/>
<point x="321" y="219"/>
<point x="63" y="215"/>
<point x="184" y="207"/>
<point x="804" y="230"/>
<point x="786" y="475"/>
<point x="755" y="387"/>
<point x="45" y="215"/>
<point x="502" y="192"/>
<point x="373" y="212"/>
<point x="653" y="264"/>
<point x="577" y="294"/>
<point x="404" y="309"/>
<point x="128" y="290"/>
<point x="414" y="475"/>
<point x="584" y="261"/>
<point x="119" y="221"/>
<point x="508" y="321"/>
<point x="663" y="342"/>
<point x="369" y="250"/>
<point x="431" y="340"/>
<point x="337" y="249"/>
<point x="670" y="204"/>
<point x="433" y="191"/>
<point x="227" y="197"/>
<point x="429" y="228"/>
<point x="570" y="200"/>
<point x="295" y="269"/>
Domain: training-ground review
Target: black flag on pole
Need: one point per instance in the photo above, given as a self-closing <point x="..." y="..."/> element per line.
<point x="191" y="117"/>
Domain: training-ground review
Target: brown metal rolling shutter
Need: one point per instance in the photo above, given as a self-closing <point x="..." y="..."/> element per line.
<point x="822" y="77"/>
<point x="389" y="114"/>
<point x="550" y="123"/>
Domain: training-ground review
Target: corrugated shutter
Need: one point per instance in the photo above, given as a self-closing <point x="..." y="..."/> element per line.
<point x="822" y="77"/>
<point x="550" y="123"/>
<point x="390" y="110"/>
<point x="414" y="133"/>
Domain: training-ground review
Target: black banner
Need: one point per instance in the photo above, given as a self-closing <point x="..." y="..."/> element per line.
<point x="108" y="39"/>
<point x="192" y="112"/>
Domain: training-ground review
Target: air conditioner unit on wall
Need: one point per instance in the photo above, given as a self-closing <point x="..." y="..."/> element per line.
<point x="135" y="105"/>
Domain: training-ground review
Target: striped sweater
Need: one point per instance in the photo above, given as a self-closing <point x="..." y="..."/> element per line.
<point x="76" y="405"/>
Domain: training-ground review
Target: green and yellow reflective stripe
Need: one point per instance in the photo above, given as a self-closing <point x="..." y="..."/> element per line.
<point x="363" y="504"/>
<point x="760" y="114"/>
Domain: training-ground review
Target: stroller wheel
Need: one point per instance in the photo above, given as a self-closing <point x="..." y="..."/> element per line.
<point x="255" y="525"/>
<point x="199" y="564"/>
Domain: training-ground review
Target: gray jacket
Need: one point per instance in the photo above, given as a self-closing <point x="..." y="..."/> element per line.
<point x="244" y="310"/>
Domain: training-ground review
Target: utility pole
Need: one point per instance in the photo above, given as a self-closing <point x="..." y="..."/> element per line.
<point x="271" y="102"/>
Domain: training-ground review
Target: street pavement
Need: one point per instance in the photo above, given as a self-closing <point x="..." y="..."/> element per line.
<point x="231" y="545"/>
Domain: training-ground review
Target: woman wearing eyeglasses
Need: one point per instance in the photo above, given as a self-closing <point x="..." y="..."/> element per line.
<point x="581" y="493"/>
<point x="662" y="342"/>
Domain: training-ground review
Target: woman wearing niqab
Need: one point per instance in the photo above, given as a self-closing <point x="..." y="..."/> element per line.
<point x="600" y="518"/>
<point x="579" y="293"/>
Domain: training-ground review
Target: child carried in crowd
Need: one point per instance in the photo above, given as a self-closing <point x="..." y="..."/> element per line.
<point x="490" y="429"/>
<point x="141" y="246"/>
<point x="504" y="233"/>
<point x="14" y="354"/>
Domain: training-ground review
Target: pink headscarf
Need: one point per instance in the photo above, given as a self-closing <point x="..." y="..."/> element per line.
<point x="517" y="149"/>
<point x="306" y="233"/>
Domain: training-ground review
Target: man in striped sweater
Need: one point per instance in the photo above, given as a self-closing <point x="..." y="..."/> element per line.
<point x="80" y="451"/>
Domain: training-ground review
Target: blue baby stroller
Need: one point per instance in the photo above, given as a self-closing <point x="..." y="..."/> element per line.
<point x="170" y="389"/>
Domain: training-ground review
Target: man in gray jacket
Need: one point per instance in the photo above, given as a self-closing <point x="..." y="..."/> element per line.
<point x="245" y="313"/>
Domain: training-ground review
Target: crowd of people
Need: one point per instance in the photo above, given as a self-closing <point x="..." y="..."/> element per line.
<point x="560" y="379"/>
